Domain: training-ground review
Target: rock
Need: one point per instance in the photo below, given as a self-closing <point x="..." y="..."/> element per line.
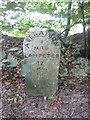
<point x="78" y="39"/>
<point x="41" y="47"/>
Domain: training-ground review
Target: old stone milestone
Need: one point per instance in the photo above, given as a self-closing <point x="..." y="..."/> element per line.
<point x="41" y="49"/>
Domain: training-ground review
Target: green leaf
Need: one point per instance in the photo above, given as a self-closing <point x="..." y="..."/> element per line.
<point x="12" y="61"/>
<point x="30" y="61"/>
<point x="13" y="49"/>
<point x="64" y="73"/>
<point x="25" y="69"/>
<point x="18" y="52"/>
<point x="4" y="61"/>
<point x="2" y="54"/>
<point x="82" y="72"/>
<point x="26" y="66"/>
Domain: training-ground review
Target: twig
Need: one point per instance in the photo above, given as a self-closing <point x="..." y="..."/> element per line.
<point x="71" y="26"/>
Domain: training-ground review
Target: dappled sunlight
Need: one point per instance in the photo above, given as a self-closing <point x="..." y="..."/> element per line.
<point x="44" y="59"/>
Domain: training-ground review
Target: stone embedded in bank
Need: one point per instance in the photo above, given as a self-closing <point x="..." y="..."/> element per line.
<point x="42" y="78"/>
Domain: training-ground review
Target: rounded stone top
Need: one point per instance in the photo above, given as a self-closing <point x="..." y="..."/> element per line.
<point x="37" y="37"/>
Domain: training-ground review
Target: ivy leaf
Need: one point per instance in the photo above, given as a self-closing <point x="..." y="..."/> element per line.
<point x="30" y="61"/>
<point x="27" y="66"/>
<point x="64" y="73"/>
<point x="18" y="52"/>
<point x="13" y="49"/>
<point x="82" y="72"/>
<point x="25" y="69"/>
<point x="2" y="54"/>
<point x="12" y="61"/>
<point x="4" y="61"/>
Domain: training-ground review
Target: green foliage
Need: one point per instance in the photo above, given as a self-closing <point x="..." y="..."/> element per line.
<point x="26" y="65"/>
<point x="10" y="60"/>
<point x="82" y="72"/>
<point x="20" y="19"/>
<point x="72" y="64"/>
<point x="14" y="6"/>
<point x="11" y="5"/>
<point x="64" y="73"/>
<point x="15" y="18"/>
<point x="13" y="49"/>
<point x="42" y="7"/>
<point x="2" y="54"/>
<point x="17" y="53"/>
<point x="25" y="69"/>
<point x="81" y="67"/>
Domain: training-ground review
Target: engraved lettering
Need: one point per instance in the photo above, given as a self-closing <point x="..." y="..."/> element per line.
<point x="41" y="33"/>
<point x="27" y="45"/>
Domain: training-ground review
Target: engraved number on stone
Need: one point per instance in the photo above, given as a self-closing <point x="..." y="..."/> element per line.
<point x="40" y="63"/>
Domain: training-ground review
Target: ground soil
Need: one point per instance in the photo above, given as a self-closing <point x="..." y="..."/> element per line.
<point x="70" y="102"/>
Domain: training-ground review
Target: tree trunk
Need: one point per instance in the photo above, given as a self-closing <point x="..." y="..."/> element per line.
<point x="88" y="42"/>
<point x="68" y="19"/>
<point x="84" y="33"/>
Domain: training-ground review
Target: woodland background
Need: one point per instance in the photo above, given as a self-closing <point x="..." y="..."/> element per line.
<point x="71" y="20"/>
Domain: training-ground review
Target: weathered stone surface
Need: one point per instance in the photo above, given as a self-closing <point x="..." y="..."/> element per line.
<point x="43" y="75"/>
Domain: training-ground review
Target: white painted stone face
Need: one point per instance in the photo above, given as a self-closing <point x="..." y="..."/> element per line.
<point x="43" y="76"/>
